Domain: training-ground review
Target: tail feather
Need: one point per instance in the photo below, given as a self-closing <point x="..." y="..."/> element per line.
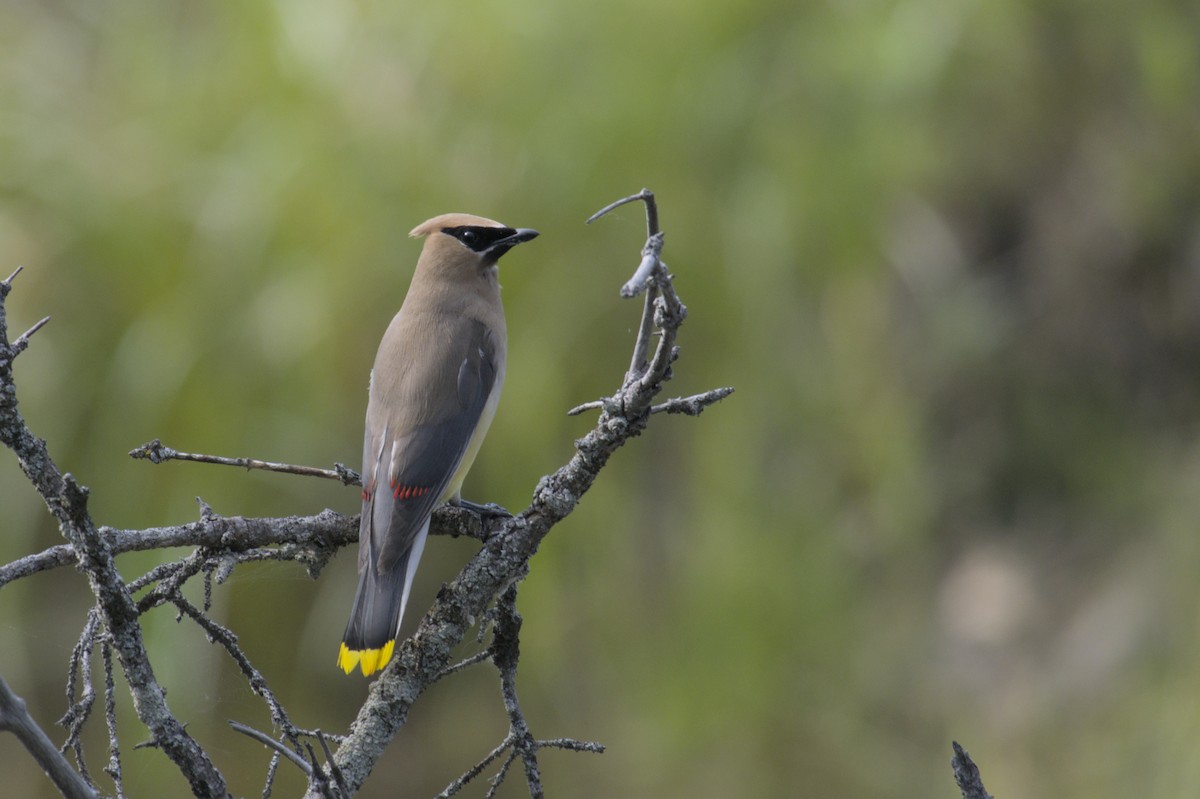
<point x="379" y="604"/>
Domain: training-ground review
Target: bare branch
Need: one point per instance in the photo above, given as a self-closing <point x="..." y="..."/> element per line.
<point x="637" y="363"/>
<point x="113" y="769"/>
<point x="223" y="636"/>
<point x="506" y="652"/>
<point x="478" y="657"/>
<point x="15" y="718"/>
<point x="78" y="712"/>
<point x="651" y="252"/>
<point x="6" y="284"/>
<point x="693" y="405"/>
<point x="220" y="543"/>
<point x="66" y="500"/>
<point x="157" y="452"/>
<point x="338" y="777"/>
<point x="315" y="538"/>
<point x="475" y="770"/>
<point x="271" y="743"/>
<point x="587" y="406"/>
<point x="22" y="341"/>
<point x="966" y="774"/>
<point x="643" y="195"/>
<point x="572" y="745"/>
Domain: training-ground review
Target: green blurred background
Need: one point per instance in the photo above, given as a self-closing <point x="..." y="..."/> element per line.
<point x="948" y="253"/>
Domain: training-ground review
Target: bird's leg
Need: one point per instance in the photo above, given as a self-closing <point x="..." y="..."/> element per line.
<point x="491" y="509"/>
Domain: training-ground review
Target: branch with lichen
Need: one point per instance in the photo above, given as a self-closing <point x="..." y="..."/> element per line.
<point x="66" y="500"/>
<point x="489" y="580"/>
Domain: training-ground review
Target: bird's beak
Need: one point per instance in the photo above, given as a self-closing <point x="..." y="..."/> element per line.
<point x="519" y="236"/>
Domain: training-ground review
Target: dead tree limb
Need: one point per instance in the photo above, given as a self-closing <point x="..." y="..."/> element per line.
<point x="15" y="718"/>
<point x="966" y="774"/>
<point x="223" y="542"/>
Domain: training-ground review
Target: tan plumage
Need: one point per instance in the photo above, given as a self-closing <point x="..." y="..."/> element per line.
<point x="433" y="393"/>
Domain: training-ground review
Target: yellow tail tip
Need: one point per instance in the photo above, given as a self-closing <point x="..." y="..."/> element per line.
<point x="371" y="660"/>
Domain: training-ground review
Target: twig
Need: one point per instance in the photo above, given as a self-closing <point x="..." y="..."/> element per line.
<point x="113" y="769"/>
<point x="645" y="195"/>
<point x="271" y="743"/>
<point x="966" y="774"/>
<point x="650" y="266"/>
<point x="223" y="636"/>
<point x="572" y="745"/>
<point x="157" y="452"/>
<point x="22" y="341"/>
<point x="78" y="712"/>
<point x="6" y="284"/>
<point x="338" y="777"/>
<point x="478" y="657"/>
<point x="587" y="406"/>
<point x="637" y="363"/>
<point x="506" y="650"/>
<point x="693" y="405"/>
<point x="461" y="782"/>
<point x="15" y="718"/>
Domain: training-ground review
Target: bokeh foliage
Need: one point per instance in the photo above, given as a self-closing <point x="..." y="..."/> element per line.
<point x="948" y="253"/>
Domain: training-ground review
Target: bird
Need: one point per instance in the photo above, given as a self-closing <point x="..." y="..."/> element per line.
<point x="433" y="392"/>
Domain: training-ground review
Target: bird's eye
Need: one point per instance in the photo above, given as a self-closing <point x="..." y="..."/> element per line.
<point x="476" y="238"/>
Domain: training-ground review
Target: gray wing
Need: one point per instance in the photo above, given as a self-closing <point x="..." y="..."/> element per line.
<point x="408" y="471"/>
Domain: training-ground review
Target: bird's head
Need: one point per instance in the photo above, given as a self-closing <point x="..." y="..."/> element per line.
<point x="463" y="245"/>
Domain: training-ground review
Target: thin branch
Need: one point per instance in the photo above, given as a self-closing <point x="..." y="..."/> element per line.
<point x="15" y="718"/>
<point x="587" y="406"/>
<point x="113" y="769"/>
<point x="643" y="195"/>
<point x="258" y="684"/>
<point x="22" y="341"/>
<point x="966" y="774"/>
<point x="157" y="452"/>
<point x="338" y="777"/>
<point x="693" y="405"/>
<point x="637" y="362"/>
<point x="461" y="782"/>
<point x="272" y="769"/>
<point x="506" y="654"/>
<point x="78" y="712"/>
<point x="649" y="268"/>
<point x="478" y="657"/>
<point x="572" y="745"/>
<point x="271" y="743"/>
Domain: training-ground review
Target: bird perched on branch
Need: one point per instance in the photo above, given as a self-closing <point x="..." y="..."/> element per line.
<point x="434" y="390"/>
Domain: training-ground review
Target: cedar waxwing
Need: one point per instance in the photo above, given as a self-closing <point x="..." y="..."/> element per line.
<point x="434" y="390"/>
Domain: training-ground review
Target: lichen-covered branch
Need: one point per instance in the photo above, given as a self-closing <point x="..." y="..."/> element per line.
<point x="317" y="538"/>
<point x="221" y="543"/>
<point x="966" y="774"/>
<point x="67" y="501"/>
